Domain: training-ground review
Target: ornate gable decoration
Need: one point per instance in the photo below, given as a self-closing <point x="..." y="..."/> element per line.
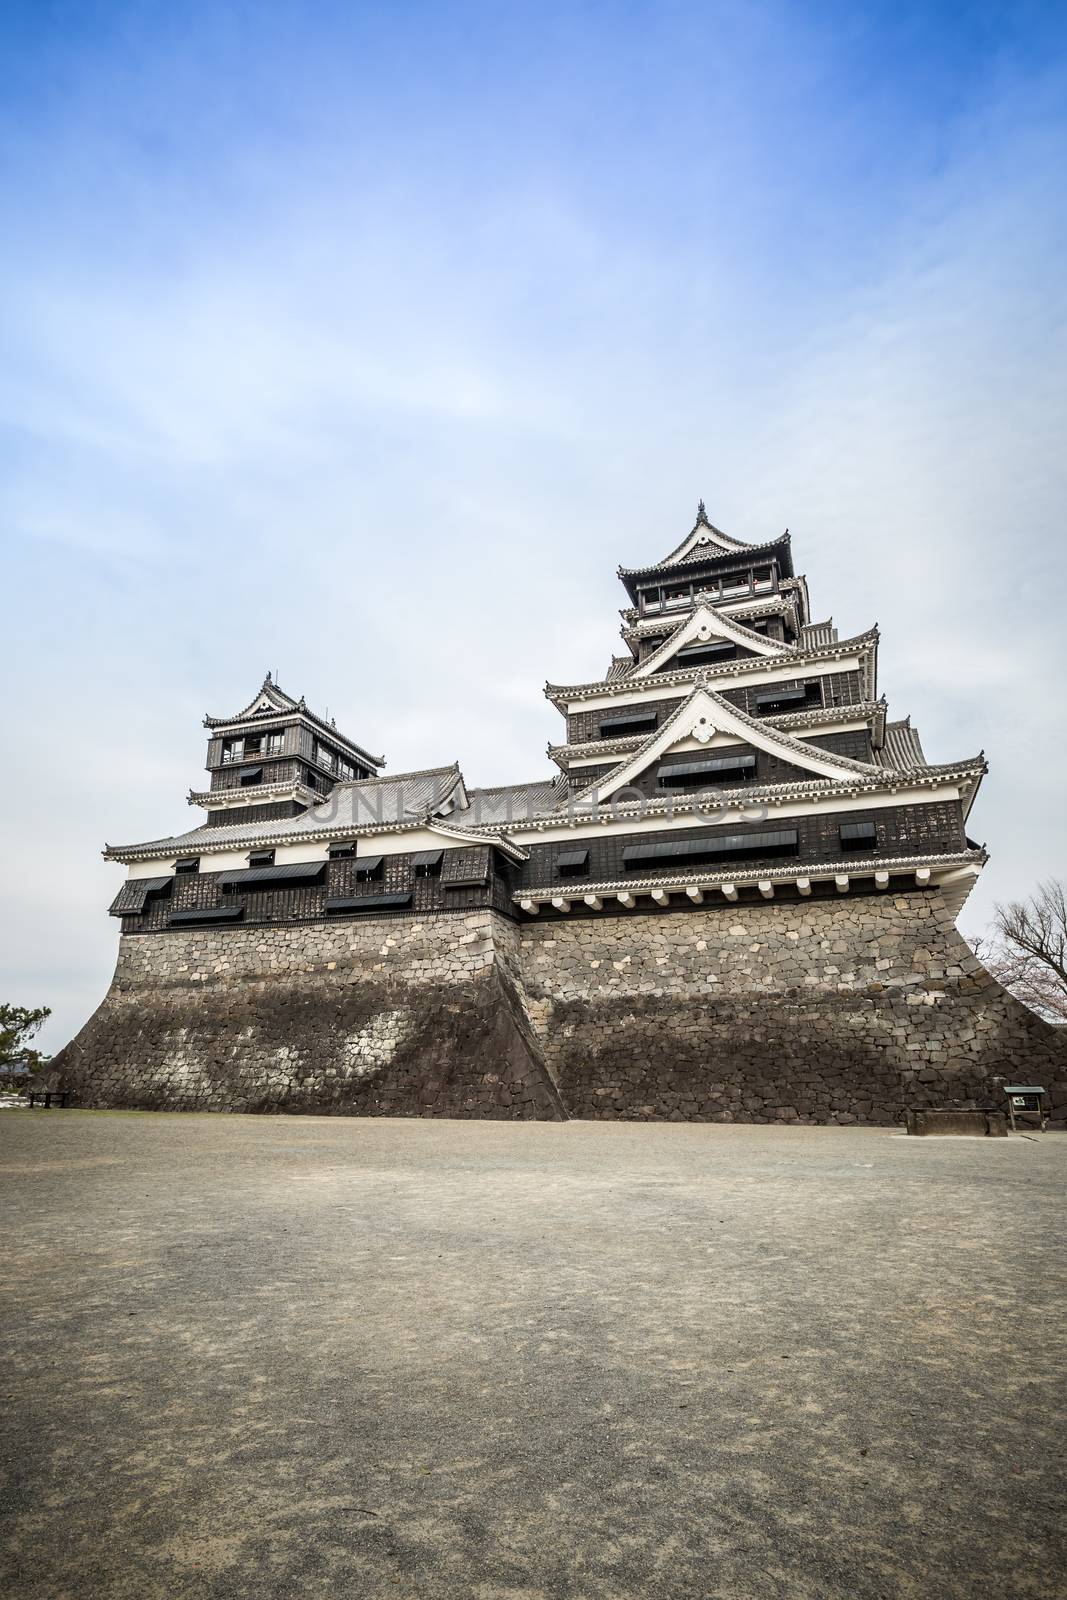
<point x="264" y="703"/>
<point x="704" y="537"/>
<point x="269" y="701"/>
<point x="701" y="716"/>
<point x="706" y="624"/>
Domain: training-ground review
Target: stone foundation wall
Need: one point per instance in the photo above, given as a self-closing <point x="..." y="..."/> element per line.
<point x="821" y="1011"/>
<point x="391" y="1018"/>
<point x="842" y="1011"/>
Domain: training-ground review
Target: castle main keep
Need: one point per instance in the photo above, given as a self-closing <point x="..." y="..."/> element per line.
<point x="734" y="900"/>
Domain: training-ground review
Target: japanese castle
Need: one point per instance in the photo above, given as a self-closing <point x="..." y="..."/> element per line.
<point x="735" y="751"/>
<point x="731" y="898"/>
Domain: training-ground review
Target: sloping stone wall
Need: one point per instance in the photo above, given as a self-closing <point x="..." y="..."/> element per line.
<point x="392" y="1018"/>
<point x="818" y="1011"/>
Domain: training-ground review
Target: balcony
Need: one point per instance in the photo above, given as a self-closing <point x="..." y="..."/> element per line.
<point x="252" y="750"/>
<point x="731" y="586"/>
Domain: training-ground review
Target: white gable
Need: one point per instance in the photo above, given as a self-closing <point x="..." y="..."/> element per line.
<point x="707" y="535"/>
<point x="704" y="719"/>
<point x="705" y="624"/>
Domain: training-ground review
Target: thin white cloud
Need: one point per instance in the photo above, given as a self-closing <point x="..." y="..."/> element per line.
<point x="392" y="431"/>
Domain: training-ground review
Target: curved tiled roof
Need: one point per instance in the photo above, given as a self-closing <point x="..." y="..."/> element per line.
<point x="512" y="803"/>
<point x="404" y="799"/>
<point x="792" y="657"/>
<point x="901" y="750"/>
<point x="582" y="813"/>
<point x="707" y="552"/>
<point x="263" y="794"/>
<point x="816" y="633"/>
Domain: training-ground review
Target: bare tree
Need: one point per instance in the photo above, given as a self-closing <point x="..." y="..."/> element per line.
<point x="1037" y="927"/>
<point x="1027" y="951"/>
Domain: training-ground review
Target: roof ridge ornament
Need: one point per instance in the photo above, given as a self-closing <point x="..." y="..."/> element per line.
<point x="702" y="515"/>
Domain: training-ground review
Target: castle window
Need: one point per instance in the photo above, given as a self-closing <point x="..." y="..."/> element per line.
<point x="261" y="858"/>
<point x="132" y="899"/>
<point x="227" y="913"/>
<point x="187" y="864"/>
<point x="427" y="863"/>
<point x="858" y="835"/>
<point x="763" y="578"/>
<point x="353" y="905"/>
<point x="794" y="697"/>
<point x="632" y="722"/>
<point x="368" y="868"/>
<point x="467" y="869"/>
<point x="573" y="863"/>
<point x="713" y="847"/>
<point x="679" y="595"/>
<point x="342" y="849"/>
<point x="265" y="872"/>
<point x="695" y="774"/>
<point x="696" y="655"/>
<point x="272" y="744"/>
<point x="250" y="776"/>
<point x="233" y="750"/>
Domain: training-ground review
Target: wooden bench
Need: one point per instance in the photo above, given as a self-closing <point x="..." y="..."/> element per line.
<point x="46" y="1093"/>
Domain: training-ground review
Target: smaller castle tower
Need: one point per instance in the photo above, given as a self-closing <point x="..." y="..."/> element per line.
<point x="274" y="759"/>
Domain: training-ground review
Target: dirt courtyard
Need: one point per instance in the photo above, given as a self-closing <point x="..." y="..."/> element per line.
<point x="265" y="1357"/>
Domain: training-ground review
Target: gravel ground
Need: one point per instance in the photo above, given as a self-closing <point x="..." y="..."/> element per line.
<point x="265" y="1357"/>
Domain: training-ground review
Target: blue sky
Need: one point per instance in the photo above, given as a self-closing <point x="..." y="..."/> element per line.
<point x="364" y="342"/>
